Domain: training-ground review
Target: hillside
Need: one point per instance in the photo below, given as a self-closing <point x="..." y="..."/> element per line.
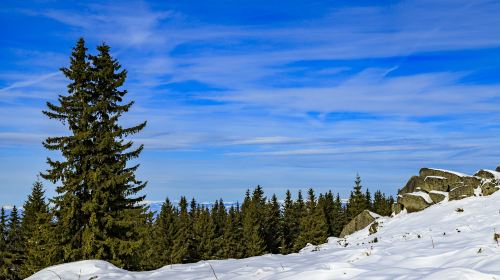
<point x="439" y="242"/>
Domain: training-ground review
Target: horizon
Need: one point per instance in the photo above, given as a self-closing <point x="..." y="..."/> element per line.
<point x="255" y="93"/>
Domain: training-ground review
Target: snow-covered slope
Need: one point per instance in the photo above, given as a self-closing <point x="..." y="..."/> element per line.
<point x="436" y="243"/>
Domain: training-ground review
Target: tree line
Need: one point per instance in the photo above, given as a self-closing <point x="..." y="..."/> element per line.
<point x="187" y="232"/>
<point x="97" y="212"/>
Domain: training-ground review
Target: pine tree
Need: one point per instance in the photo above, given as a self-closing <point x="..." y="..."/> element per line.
<point x="357" y="200"/>
<point x="339" y="216"/>
<point x="313" y="228"/>
<point x="253" y="228"/>
<point x="14" y="246"/>
<point x="37" y="229"/>
<point x="76" y="149"/>
<point x="97" y="215"/>
<point x="273" y="225"/>
<point x="290" y="224"/>
<point x="205" y="236"/>
<point x="219" y="218"/>
<point x="233" y="235"/>
<point x="327" y="204"/>
<point x="184" y="249"/>
<point x="163" y="235"/>
<point x="368" y="200"/>
<point x="4" y="268"/>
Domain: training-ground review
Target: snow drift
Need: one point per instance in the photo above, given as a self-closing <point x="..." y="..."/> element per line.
<point x="449" y="240"/>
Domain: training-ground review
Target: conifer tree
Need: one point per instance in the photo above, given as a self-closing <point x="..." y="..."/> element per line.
<point x="233" y="235"/>
<point x="74" y="111"/>
<point x="4" y="268"/>
<point x="40" y="247"/>
<point x="219" y="219"/>
<point x="339" y="216"/>
<point x="368" y="200"/>
<point x="290" y="224"/>
<point x="253" y="228"/>
<point x="97" y="213"/>
<point x="273" y="225"/>
<point x="14" y="246"/>
<point x="163" y="235"/>
<point x="184" y="249"/>
<point x="357" y="200"/>
<point x="204" y="235"/>
<point x="313" y="228"/>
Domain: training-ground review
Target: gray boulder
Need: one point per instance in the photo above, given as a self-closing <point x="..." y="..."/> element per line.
<point x="498" y="168"/>
<point x="413" y="202"/>
<point x="461" y="192"/>
<point x="359" y="222"/>
<point x="437" y="196"/>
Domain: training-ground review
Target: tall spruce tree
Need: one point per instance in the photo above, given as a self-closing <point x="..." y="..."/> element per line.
<point x="98" y="212"/>
<point x="74" y="111"/>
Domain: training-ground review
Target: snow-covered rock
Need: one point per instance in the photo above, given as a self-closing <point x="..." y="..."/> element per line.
<point x="436" y="243"/>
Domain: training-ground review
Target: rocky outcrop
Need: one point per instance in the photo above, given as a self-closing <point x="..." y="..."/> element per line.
<point x="436" y="185"/>
<point x="361" y="221"/>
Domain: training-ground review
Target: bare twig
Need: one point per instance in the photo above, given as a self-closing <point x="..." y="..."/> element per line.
<point x="213" y="271"/>
<point x="432" y="242"/>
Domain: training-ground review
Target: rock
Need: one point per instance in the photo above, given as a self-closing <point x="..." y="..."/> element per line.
<point x="435" y="183"/>
<point x="461" y="192"/>
<point x="437" y="196"/>
<point x="498" y="168"/>
<point x="489" y="188"/>
<point x="359" y="222"/>
<point x="412" y="185"/>
<point x="373" y="228"/>
<point x="451" y="176"/>
<point x="413" y="202"/>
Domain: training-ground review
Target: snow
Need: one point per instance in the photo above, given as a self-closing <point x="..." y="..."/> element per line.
<point x="436" y="177"/>
<point x="424" y="195"/>
<point x="452" y="172"/>
<point x="436" y="243"/>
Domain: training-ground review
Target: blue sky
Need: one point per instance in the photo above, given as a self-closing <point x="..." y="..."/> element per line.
<point x="286" y="94"/>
